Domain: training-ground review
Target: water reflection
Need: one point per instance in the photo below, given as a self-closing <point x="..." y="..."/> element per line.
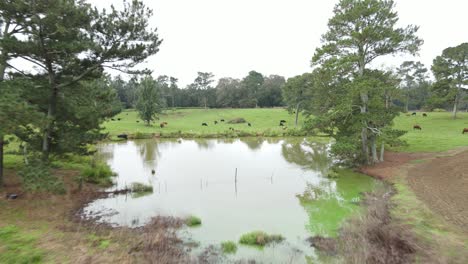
<point x="279" y="188"/>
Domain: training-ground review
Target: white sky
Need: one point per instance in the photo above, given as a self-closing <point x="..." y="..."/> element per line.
<point x="232" y="37"/>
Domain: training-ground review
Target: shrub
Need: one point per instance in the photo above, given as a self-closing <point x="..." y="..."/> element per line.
<point x="137" y="187"/>
<point x="229" y="247"/>
<point x="237" y="121"/>
<point x="36" y="177"/>
<point x="193" y="221"/>
<point x="259" y="238"/>
<point x="97" y="173"/>
<point x="140" y="135"/>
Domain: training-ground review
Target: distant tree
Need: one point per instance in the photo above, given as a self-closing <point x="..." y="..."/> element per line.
<point x="413" y="77"/>
<point x="150" y="102"/>
<point x="297" y="93"/>
<point x="251" y="85"/>
<point x="359" y="32"/>
<point x="269" y="94"/>
<point x="451" y="73"/>
<point x="228" y="92"/>
<point x="173" y="89"/>
<point x="203" y="83"/>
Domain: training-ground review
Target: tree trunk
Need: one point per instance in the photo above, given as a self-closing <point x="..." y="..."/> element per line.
<point x="455" y="106"/>
<point x="2" y="76"/>
<point x="407" y="103"/>
<point x="364" y="100"/>
<point x="51" y="112"/>
<point x="373" y="143"/>
<point x="382" y="151"/>
<point x="297" y="113"/>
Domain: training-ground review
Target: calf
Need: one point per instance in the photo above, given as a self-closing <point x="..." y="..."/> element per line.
<point x="414" y="113"/>
<point x="204" y="124"/>
<point x="465" y="130"/>
<point x="124" y="136"/>
<point x="418" y="127"/>
<point x="424" y="115"/>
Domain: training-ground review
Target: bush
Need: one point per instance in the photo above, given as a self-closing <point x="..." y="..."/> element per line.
<point x="259" y="238"/>
<point x="237" y="121"/>
<point x="140" y="135"/>
<point x="98" y="173"/>
<point x="193" y="221"/>
<point x="36" y="177"/>
<point x="229" y="247"/>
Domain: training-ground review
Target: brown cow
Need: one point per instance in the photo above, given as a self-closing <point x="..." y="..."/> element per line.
<point x="162" y="125"/>
<point x="465" y="130"/>
<point x="418" y="127"/>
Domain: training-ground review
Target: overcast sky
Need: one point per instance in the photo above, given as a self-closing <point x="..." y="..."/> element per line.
<point x="232" y="37"/>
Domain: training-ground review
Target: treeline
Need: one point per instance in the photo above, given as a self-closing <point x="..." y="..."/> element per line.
<point x="254" y="90"/>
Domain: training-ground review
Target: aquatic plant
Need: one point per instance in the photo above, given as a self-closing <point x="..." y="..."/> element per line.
<point x="193" y="221"/>
<point x="260" y="238"/>
<point x="229" y="247"/>
<point x="138" y="187"/>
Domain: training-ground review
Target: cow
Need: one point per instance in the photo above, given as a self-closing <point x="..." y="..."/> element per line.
<point x="138" y="121"/>
<point x="281" y="124"/>
<point x="465" y="130"/>
<point x="215" y="122"/>
<point x="124" y="136"/>
<point x="222" y="120"/>
<point x="165" y="123"/>
<point x="282" y="121"/>
<point x="231" y="128"/>
<point x="153" y="171"/>
<point x="162" y="125"/>
<point x="414" y="113"/>
<point x="204" y="124"/>
<point x="418" y="127"/>
<point x="424" y="115"/>
<point x="249" y="124"/>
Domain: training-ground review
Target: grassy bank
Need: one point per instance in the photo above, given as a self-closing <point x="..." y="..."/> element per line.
<point x="188" y="122"/>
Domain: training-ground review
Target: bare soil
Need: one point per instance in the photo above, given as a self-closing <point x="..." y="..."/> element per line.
<point x="442" y="184"/>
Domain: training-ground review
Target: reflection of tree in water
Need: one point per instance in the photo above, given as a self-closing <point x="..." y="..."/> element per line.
<point x="331" y="201"/>
<point x="308" y="155"/>
<point x="105" y="152"/>
<point x="149" y="151"/>
<point x="252" y="143"/>
<point x="205" y="143"/>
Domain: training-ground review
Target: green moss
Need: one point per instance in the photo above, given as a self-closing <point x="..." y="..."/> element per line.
<point x="229" y="247"/>
<point x="259" y="238"/>
<point x="18" y="247"/>
<point x="193" y="221"/>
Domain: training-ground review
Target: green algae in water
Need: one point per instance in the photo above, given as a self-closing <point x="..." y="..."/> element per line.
<point x="329" y="204"/>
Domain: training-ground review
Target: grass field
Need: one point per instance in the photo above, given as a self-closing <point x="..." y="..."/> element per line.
<point x="189" y="121"/>
<point x="439" y="132"/>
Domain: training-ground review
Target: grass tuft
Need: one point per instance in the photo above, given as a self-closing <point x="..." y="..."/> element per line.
<point x="229" y="247"/>
<point x="140" y="188"/>
<point x="193" y="221"/>
<point x="259" y="238"/>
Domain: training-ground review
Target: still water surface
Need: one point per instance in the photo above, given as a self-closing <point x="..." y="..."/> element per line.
<point x="280" y="188"/>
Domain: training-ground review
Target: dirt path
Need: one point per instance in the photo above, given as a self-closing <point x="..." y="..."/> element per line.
<point x="442" y="183"/>
<point x="440" y="180"/>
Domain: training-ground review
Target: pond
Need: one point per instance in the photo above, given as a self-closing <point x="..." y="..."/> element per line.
<point x="280" y="188"/>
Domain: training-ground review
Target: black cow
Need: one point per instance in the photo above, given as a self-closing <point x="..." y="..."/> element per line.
<point x="138" y="121"/>
<point x="204" y="124"/>
<point x="414" y="113"/>
<point x="249" y="124"/>
<point x="215" y="122"/>
<point x="124" y="136"/>
<point x="112" y="119"/>
<point x="282" y="121"/>
<point x="417" y="127"/>
<point x="119" y="119"/>
<point x="222" y="120"/>
<point x="424" y="115"/>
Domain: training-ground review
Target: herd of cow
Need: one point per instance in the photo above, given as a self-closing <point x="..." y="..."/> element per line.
<point x="418" y="127"/>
